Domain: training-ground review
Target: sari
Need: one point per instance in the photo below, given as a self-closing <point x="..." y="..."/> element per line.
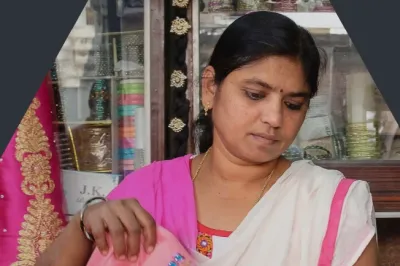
<point x="31" y="196"/>
<point x="288" y="226"/>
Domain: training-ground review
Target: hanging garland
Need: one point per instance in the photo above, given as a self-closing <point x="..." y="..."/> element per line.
<point x="178" y="106"/>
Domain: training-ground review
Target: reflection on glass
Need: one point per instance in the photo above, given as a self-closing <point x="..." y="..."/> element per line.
<point x="348" y="118"/>
<point x="98" y="84"/>
<point x="214" y="6"/>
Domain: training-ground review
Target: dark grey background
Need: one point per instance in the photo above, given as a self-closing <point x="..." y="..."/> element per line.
<point x="373" y="26"/>
<point x="32" y="33"/>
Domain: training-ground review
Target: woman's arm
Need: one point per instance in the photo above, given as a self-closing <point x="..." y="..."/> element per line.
<point x="370" y="255"/>
<point x="125" y="220"/>
<point x="70" y="248"/>
<point x="122" y="215"/>
<point x="356" y="242"/>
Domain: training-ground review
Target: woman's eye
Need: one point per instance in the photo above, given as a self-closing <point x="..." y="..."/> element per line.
<point x="254" y="96"/>
<point x="294" y="107"/>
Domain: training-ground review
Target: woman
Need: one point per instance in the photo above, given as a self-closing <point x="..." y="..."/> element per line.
<point x="239" y="202"/>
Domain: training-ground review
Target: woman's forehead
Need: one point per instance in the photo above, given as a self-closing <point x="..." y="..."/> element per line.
<point x="273" y="73"/>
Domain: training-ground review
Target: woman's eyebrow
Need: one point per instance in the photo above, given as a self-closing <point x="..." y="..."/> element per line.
<point x="265" y="85"/>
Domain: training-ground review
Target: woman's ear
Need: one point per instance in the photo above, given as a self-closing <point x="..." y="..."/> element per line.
<point x="208" y="87"/>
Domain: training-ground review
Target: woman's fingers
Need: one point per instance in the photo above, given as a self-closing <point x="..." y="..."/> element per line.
<point x="125" y="221"/>
<point x="97" y="229"/>
<point x="116" y="231"/>
<point x="132" y="228"/>
<point x="147" y="224"/>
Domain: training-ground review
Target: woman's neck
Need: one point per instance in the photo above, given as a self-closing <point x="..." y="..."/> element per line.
<point x="220" y="164"/>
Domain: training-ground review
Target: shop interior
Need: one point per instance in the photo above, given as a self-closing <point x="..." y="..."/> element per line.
<point x="113" y="85"/>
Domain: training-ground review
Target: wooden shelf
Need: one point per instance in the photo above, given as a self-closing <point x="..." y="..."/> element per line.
<point x="100" y="122"/>
<point x="387" y="215"/>
<point x="320" y="22"/>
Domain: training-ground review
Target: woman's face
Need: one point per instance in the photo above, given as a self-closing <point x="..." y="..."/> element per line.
<point x="259" y="108"/>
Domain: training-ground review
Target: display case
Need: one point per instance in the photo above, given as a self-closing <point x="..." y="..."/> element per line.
<point x="349" y="127"/>
<point x="108" y="118"/>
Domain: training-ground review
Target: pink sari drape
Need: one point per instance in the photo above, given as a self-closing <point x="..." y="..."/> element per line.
<point x="31" y="195"/>
<point x="167" y="251"/>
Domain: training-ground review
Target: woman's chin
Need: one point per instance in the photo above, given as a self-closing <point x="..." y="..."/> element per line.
<point x="260" y="156"/>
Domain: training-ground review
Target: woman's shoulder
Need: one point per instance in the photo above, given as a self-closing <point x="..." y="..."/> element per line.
<point x="155" y="170"/>
<point x="151" y="176"/>
<point x="321" y="175"/>
<point x="314" y="177"/>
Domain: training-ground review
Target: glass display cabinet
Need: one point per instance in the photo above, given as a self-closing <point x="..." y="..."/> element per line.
<point x="105" y="108"/>
<point x="349" y="127"/>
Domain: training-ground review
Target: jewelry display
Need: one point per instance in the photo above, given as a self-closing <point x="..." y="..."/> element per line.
<point x="93" y="147"/>
<point x="59" y="100"/>
<point x="220" y="6"/>
<point x="323" y="6"/>
<point x="363" y="141"/>
<point x="131" y="101"/>
<point x="95" y="60"/>
<point x="99" y="63"/>
<point x="130" y="56"/>
<point x="315" y="152"/>
<point x="251" y="5"/>
<point x="339" y="145"/>
<point x="305" y="6"/>
<point x="362" y="137"/>
<point x="293" y="153"/>
<point x="132" y="47"/>
<point x="285" y="5"/>
<point x="133" y="53"/>
<point x="63" y="147"/>
<point x="64" y="144"/>
<point x="99" y="101"/>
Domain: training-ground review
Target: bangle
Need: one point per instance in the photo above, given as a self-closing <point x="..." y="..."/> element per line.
<point x="88" y="235"/>
<point x="322" y="156"/>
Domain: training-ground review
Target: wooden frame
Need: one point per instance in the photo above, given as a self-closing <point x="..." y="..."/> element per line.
<point x="190" y="75"/>
<point x="157" y="80"/>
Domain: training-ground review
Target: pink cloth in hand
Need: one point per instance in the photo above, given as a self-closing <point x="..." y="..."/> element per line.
<point x="168" y="251"/>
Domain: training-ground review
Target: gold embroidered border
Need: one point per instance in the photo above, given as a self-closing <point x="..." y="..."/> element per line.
<point x="41" y="223"/>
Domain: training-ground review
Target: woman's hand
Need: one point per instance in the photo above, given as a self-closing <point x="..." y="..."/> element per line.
<point x="125" y="221"/>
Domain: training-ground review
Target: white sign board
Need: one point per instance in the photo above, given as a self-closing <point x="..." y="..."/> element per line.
<point x="81" y="186"/>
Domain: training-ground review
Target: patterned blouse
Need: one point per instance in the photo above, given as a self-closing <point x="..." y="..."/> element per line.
<point x="210" y="241"/>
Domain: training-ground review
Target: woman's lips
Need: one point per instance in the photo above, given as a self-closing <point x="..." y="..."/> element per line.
<point x="265" y="139"/>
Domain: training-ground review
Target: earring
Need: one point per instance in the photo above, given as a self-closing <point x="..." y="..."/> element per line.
<point x="206" y="109"/>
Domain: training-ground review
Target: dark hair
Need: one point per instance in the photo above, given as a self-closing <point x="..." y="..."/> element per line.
<point x="250" y="38"/>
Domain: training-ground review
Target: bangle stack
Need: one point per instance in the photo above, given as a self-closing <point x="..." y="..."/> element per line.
<point x="88" y="235"/>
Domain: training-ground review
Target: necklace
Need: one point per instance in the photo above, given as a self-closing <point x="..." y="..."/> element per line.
<point x="267" y="178"/>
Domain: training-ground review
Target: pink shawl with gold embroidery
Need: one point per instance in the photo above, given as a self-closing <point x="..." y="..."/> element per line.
<point x="30" y="188"/>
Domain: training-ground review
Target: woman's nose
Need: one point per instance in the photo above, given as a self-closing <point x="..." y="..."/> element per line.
<point x="272" y="114"/>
